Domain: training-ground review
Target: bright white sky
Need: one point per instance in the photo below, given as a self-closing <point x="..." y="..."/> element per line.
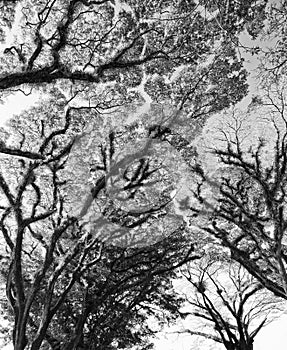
<point x="14" y="104"/>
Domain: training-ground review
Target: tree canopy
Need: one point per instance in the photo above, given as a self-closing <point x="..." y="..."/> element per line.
<point x="95" y="176"/>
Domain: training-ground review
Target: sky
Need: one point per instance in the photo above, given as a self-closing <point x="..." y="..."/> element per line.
<point x="14" y="104"/>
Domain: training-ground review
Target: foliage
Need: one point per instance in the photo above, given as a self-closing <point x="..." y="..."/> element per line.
<point x="92" y="234"/>
<point x="121" y="47"/>
<point x="83" y="263"/>
<point x="274" y="58"/>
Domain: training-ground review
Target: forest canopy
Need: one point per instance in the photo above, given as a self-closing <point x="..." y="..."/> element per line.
<point x="106" y="196"/>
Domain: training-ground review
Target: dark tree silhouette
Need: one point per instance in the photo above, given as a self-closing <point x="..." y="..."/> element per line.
<point x="229" y="304"/>
<point x="247" y="207"/>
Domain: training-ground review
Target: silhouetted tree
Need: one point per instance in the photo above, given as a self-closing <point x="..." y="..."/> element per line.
<point x="227" y="302"/>
<point x="246" y="208"/>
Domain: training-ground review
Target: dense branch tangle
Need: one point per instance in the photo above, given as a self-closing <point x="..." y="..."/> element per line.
<point x="58" y="50"/>
<point x="228" y="302"/>
<point x="58" y="263"/>
<point x="95" y="41"/>
<point x="250" y="215"/>
<point x="92" y="41"/>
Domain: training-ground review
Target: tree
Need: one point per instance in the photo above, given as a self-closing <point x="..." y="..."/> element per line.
<point x="246" y="209"/>
<point x="229" y="304"/>
<point x="121" y="44"/>
<point x="62" y="203"/>
<point x="79" y="251"/>
<point x="108" y="307"/>
<point x="273" y="62"/>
